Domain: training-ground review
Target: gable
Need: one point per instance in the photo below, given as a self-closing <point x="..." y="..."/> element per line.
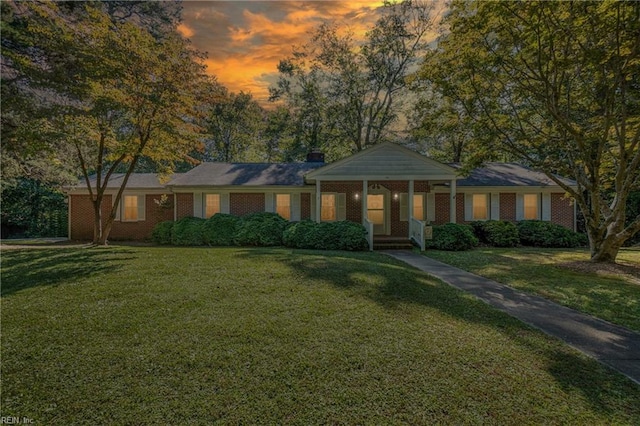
<point x="386" y="161"/>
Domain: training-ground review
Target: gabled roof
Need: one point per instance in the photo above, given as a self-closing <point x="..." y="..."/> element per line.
<point x="507" y="174"/>
<point x="386" y="161"/>
<point x="247" y="174"/>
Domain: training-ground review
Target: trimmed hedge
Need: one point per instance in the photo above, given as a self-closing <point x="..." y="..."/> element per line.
<point x="220" y="229"/>
<point x="261" y="229"/>
<point x="539" y="233"/>
<point x="497" y="233"/>
<point x="188" y="232"/>
<point x="452" y="237"/>
<point x="343" y="235"/>
<point x="161" y="233"/>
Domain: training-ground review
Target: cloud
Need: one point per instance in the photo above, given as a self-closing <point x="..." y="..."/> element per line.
<point x="245" y="40"/>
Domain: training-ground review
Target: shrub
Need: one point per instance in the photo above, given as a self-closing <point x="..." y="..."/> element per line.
<point x="161" y="233"/>
<point x="452" y="237"/>
<point x="342" y="235"/>
<point x="220" y="229"/>
<point x="539" y="233"/>
<point x="497" y="233"/>
<point x="261" y="229"/>
<point x="187" y="232"/>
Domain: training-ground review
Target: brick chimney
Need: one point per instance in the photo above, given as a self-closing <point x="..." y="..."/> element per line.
<point x="315" y="156"/>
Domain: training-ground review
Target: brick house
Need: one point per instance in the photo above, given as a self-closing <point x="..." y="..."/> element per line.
<point x="391" y="189"/>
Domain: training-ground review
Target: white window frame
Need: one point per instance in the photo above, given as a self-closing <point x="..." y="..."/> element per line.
<point x="140" y="208"/>
<point x="404" y="206"/>
<point x="275" y="202"/>
<point x="486" y="205"/>
<point x="205" y="205"/>
<point x="534" y="196"/>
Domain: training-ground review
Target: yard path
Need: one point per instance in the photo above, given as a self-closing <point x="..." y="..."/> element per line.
<point x="612" y="345"/>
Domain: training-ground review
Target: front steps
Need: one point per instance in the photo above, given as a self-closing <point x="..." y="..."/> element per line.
<point x="392" y="243"/>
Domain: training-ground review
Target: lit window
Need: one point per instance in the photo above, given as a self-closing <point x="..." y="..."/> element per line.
<point x="283" y="205"/>
<point x="375" y="208"/>
<point x="418" y="206"/>
<point x="328" y="210"/>
<point x="211" y="204"/>
<point x="530" y="206"/>
<point x="480" y="207"/>
<point x="130" y="207"/>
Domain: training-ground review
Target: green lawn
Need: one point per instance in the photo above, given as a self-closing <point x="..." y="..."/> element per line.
<point x="562" y="275"/>
<point x="154" y="335"/>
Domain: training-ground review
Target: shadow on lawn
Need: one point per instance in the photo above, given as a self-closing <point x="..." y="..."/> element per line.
<point x="23" y="269"/>
<point x="400" y="284"/>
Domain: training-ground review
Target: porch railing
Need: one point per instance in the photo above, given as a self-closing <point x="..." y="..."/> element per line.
<point x="368" y="225"/>
<point x="416" y="232"/>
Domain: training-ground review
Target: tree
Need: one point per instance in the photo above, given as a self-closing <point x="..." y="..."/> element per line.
<point x="345" y="92"/>
<point x="114" y="93"/>
<point x="557" y="85"/>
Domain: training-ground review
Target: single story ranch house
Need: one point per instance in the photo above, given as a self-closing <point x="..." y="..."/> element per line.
<point x="389" y="188"/>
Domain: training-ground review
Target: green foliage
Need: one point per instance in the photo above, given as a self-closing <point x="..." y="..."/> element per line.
<point x="188" y="232"/>
<point x="539" y="233"/>
<point x="33" y="209"/>
<point x="497" y="233"/>
<point x="343" y="235"/>
<point x="261" y="229"/>
<point x="220" y="229"/>
<point x="162" y="232"/>
<point x="453" y="237"/>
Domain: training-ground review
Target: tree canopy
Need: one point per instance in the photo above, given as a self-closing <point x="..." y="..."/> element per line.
<point x="555" y="84"/>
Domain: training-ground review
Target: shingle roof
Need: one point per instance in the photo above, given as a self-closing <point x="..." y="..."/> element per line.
<point x="136" y="180"/>
<point x="507" y="174"/>
<point x="248" y="174"/>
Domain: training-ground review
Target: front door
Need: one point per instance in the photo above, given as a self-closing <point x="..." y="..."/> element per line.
<point x="377" y="213"/>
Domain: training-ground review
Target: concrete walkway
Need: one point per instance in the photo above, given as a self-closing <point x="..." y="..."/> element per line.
<point x="612" y="345"/>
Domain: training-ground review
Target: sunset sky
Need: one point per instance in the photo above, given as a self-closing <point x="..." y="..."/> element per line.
<point x="245" y="40"/>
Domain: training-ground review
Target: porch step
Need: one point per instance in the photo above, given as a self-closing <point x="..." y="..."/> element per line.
<point x="392" y="244"/>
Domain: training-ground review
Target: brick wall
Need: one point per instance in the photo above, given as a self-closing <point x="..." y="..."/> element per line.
<point x="184" y="205"/>
<point x="82" y="218"/>
<point x="241" y="203"/>
<point x="305" y="206"/>
<point x="562" y="210"/>
<point x="508" y="206"/>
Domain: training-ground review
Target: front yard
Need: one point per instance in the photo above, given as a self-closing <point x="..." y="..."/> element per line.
<point x="154" y="335"/>
<point x="609" y="292"/>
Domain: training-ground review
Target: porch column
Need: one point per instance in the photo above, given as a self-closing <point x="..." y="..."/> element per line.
<point x="452" y="201"/>
<point x="365" y="185"/>
<point x="318" y="200"/>
<point x="410" y="205"/>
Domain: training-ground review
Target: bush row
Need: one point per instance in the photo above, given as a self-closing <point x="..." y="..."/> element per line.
<point x="496" y="233"/>
<point x="261" y="229"/>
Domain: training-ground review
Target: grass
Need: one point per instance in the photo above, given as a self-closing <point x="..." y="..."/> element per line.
<point x="128" y="335"/>
<point x="562" y="275"/>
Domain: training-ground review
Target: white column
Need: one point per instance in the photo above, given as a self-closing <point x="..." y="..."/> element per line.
<point x="318" y="201"/>
<point x="410" y="204"/>
<point x="365" y="188"/>
<point x="452" y="201"/>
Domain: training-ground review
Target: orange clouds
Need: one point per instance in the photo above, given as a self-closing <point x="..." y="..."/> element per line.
<point x="245" y="40"/>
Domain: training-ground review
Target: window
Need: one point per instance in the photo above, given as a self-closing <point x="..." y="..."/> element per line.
<point x="211" y="205"/>
<point x="375" y="208"/>
<point x="530" y="206"/>
<point x="480" y="207"/>
<point x="328" y="208"/>
<point x="132" y="208"/>
<point x="283" y="205"/>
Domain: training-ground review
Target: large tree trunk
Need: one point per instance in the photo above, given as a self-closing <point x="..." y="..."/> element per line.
<point x="606" y="250"/>
<point x="97" y="221"/>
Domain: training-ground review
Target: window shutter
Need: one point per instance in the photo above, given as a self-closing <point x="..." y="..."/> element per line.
<point x="141" y="207"/>
<point x="341" y="206"/>
<point x="468" y="207"/>
<point x="269" y="202"/>
<point x="119" y="209"/>
<point x="495" y="206"/>
<point x="224" y="203"/>
<point x="546" y="207"/>
<point x="404" y="207"/>
<point x="295" y="207"/>
<point x="198" y="208"/>
<point x="431" y="207"/>
<point x="519" y="206"/>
